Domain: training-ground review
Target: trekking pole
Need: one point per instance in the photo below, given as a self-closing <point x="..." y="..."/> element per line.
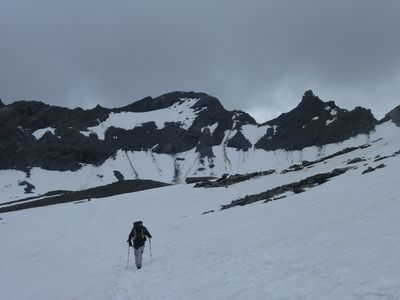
<point x="151" y="255"/>
<point x="127" y="261"/>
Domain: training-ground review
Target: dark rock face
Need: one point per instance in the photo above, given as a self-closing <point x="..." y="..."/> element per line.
<point x="150" y="104"/>
<point x="239" y="142"/>
<point x="314" y="123"/>
<point x="205" y="144"/>
<point x="67" y="145"/>
<point x="393" y="115"/>
<point x="65" y="150"/>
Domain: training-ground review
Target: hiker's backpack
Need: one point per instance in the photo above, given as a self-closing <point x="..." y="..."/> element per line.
<point x="138" y="231"/>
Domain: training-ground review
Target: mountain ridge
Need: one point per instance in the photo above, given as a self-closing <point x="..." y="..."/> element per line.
<point x="167" y="138"/>
<point x="21" y="119"/>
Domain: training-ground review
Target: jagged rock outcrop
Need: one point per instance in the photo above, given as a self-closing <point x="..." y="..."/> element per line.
<point x="227" y="180"/>
<point x="239" y="142"/>
<point x="371" y="169"/>
<point x="393" y="116"/>
<point x="295" y="187"/>
<point x="314" y="123"/>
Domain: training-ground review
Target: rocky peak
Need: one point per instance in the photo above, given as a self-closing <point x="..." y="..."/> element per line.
<point x="143" y="105"/>
<point x="313" y="103"/>
<point x="1" y="103"/>
<point x="310" y="108"/>
<point x="242" y="118"/>
<point x="393" y="115"/>
<point x="206" y="101"/>
<point x="309" y="98"/>
<point x="166" y="100"/>
<point x="21" y="112"/>
<point x="28" y="107"/>
<point x="313" y="123"/>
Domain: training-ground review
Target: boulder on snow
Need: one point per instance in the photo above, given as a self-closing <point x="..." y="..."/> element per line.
<point x="28" y="186"/>
<point x="190" y="180"/>
<point x="118" y="175"/>
<point x="371" y="169"/>
<point x="356" y="160"/>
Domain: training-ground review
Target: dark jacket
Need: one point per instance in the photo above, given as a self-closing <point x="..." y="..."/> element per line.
<point x="138" y="236"/>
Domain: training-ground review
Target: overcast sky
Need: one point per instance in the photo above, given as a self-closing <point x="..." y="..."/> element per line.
<point x="254" y="55"/>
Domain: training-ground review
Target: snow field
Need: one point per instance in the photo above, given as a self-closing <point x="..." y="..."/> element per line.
<point x="335" y="241"/>
<point x="338" y="240"/>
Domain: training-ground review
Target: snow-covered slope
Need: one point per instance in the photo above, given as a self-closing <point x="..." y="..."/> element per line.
<point x="161" y="167"/>
<point x="337" y="240"/>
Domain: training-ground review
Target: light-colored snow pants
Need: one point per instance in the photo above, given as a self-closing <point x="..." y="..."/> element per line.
<point x="138" y="256"/>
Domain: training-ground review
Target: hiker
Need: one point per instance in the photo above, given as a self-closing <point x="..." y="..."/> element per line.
<point x="138" y="236"/>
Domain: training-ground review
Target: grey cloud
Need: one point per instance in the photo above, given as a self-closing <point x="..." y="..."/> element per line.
<point x="254" y="55"/>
